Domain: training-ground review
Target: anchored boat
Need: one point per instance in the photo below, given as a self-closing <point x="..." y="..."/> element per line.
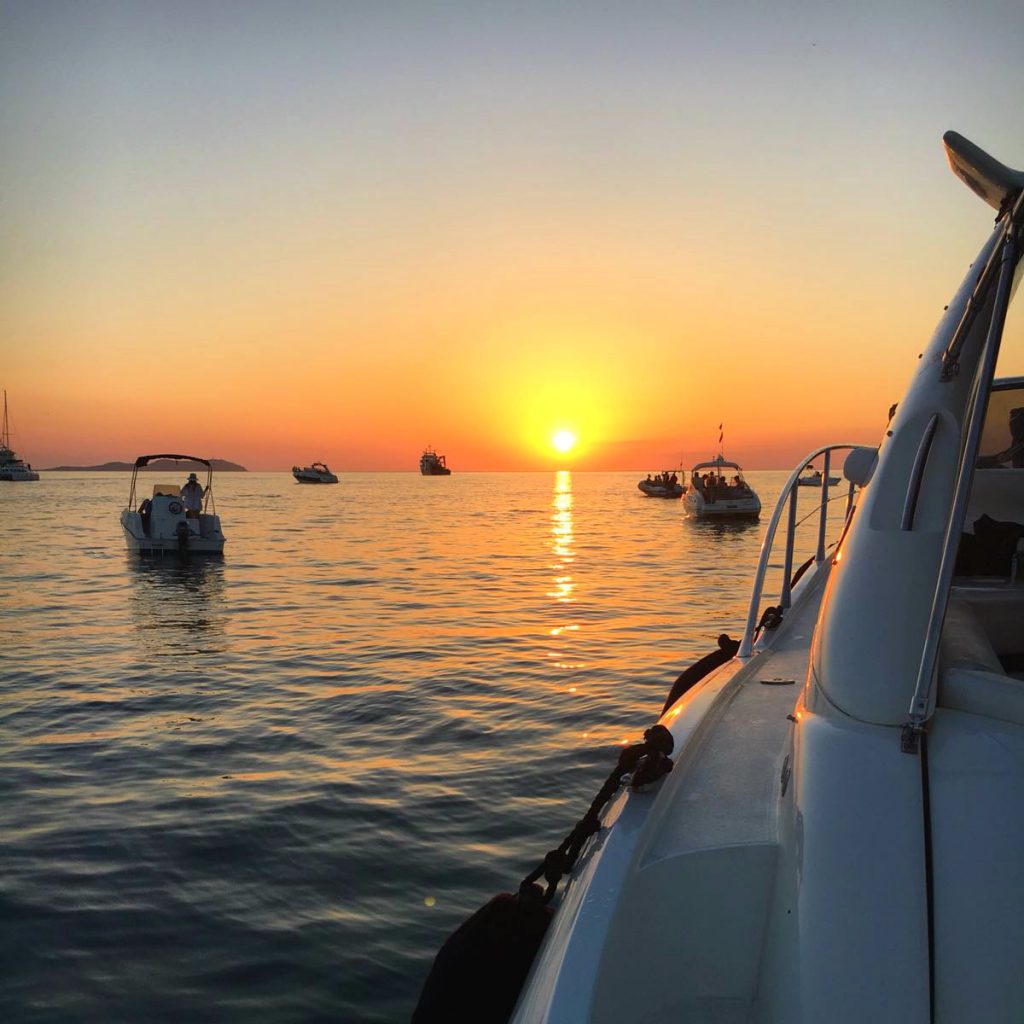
<point x="840" y="836"/>
<point x="664" y="485"/>
<point x="12" y="469"/>
<point x="318" y="473"/>
<point x="176" y="518"/>
<point x="812" y="478"/>
<point x="717" y="488"/>
<point x="432" y="464"/>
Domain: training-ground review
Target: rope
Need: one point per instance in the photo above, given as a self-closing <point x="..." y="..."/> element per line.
<point x="638" y="765"/>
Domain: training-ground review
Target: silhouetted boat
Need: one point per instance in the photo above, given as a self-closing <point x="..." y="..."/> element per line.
<point x="432" y="464"/>
<point x="814" y="478"/>
<point x="662" y="486"/>
<point x="318" y="473"/>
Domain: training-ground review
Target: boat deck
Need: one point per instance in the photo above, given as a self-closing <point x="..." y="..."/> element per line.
<point x="727" y="788"/>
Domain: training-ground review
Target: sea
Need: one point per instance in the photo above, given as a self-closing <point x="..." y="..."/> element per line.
<point x="264" y="788"/>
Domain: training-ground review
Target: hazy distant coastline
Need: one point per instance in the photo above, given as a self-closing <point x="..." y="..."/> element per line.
<point x="220" y="465"/>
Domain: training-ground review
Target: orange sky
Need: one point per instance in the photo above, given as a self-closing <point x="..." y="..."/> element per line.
<point x="347" y="239"/>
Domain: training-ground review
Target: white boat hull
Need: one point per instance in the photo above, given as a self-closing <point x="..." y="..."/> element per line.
<point x="203" y="537"/>
<point x="736" y="508"/>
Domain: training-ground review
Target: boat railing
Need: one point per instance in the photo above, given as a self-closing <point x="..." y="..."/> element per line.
<point x="788" y="498"/>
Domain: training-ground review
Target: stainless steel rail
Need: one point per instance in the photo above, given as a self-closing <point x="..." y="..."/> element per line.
<point x="789" y="495"/>
<point x="921" y="700"/>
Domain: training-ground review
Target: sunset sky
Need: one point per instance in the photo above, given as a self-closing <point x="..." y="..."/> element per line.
<point x="279" y="232"/>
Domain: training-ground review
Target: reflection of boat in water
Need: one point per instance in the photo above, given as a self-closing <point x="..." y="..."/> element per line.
<point x="12" y="468"/>
<point x="812" y="478"/>
<point x="164" y="524"/>
<point x="161" y="588"/>
<point x="664" y="485"/>
<point x="432" y="464"/>
<point x="318" y="473"/>
<point x="840" y="837"/>
<point x="720" y="490"/>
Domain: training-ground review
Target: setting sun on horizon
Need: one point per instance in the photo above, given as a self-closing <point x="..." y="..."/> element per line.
<point x="564" y="441"/>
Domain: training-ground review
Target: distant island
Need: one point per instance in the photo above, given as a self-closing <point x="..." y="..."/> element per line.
<point x="220" y="465"/>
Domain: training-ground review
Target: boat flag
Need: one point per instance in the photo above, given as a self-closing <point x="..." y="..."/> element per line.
<point x="721" y="433"/>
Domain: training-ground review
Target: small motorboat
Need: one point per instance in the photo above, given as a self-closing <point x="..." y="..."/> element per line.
<point x="432" y="464"/>
<point x="12" y="469"/>
<point x="812" y="478"/>
<point x="318" y="473"/>
<point x="717" y="489"/>
<point x="172" y="521"/>
<point x="664" y="485"/>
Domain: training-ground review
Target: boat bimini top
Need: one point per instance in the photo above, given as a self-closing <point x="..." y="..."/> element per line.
<point x="718" y="463"/>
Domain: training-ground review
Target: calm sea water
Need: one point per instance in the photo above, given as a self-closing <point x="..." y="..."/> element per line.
<point x="265" y="788"/>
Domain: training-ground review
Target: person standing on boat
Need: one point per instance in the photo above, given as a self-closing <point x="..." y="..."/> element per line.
<point x="192" y="495"/>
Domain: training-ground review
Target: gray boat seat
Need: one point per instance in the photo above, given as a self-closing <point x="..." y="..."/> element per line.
<point x="971" y="676"/>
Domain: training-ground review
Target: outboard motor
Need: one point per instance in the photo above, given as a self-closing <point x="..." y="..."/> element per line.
<point x="181" y="531"/>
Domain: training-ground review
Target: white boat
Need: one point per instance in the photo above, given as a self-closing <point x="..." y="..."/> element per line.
<point x="161" y="523"/>
<point x="318" y="473"/>
<point x="432" y="464"/>
<point x="12" y="469"/>
<point x="717" y="489"/>
<point x="663" y="485"/>
<point x="841" y="837"/>
<point x="812" y="478"/>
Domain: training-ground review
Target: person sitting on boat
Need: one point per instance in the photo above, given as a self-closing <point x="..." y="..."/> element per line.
<point x="649" y="480"/>
<point x="673" y="480"/>
<point x="192" y="495"/>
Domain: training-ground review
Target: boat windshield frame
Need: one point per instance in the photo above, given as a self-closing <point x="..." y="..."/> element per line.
<point x="144" y="460"/>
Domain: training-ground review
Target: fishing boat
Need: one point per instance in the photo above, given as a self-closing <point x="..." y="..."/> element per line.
<point x="812" y="478"/>
<point x="318" y="473"/>
<point x="717" y="489"/>
<point x="840" y="836"/>
<point x="432" y="464"/>
<point x="173" y="519"/>
<point x="12" y="469"/>
<point x="663" y="485"/>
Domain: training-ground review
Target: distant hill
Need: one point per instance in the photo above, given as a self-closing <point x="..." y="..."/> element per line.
<point x="163" y="465"/>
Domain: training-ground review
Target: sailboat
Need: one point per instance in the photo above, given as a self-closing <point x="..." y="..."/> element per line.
<point x="12" y="468"/>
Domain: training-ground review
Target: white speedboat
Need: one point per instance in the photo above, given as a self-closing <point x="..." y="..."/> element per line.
<point x="812" y="478"/>
<point x="12" y="469"/>
<point x="717" y="488"/>
<point x="161" y="523"/>
<point x="663" y="485"/>
<point x="841" y="837"/>
<point x="432" y="464"/>
<point x="318" y="473"/>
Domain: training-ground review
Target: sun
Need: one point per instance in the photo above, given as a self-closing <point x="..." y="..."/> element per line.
<point x="564" y="441"/>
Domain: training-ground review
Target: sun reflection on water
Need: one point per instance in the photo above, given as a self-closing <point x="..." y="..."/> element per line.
<point x="564" y="586"/>
<point x="562" y="537"/>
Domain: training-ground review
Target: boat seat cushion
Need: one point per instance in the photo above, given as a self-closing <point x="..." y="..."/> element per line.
<point x="1000" y="611"/>
<point x="971" y="676"/>
<point x="992" y="694"/>
<point x="964" y="643"/>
